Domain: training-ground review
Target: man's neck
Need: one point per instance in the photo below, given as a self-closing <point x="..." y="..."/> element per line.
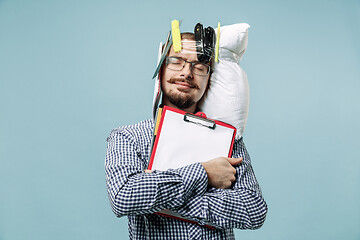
<point x="191" y="109"/>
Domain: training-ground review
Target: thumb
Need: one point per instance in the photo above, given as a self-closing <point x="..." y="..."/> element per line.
<point x="235" y="161"/>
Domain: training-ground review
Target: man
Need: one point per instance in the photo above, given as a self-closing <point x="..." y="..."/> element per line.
<point x="222" y="191"/>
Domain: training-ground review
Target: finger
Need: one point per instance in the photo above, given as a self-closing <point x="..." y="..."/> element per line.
<point x="228" y="185"/>
<point x="235" y="161"/>
<point x="148" y="171"/>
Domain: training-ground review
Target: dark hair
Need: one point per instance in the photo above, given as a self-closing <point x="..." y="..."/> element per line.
<point x="188" y="35"/>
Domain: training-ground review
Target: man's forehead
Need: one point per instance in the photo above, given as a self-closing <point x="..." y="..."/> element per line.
<point x="188" y="50"/>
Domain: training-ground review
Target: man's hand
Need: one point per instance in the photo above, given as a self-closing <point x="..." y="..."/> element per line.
<point x="220" y="171"/>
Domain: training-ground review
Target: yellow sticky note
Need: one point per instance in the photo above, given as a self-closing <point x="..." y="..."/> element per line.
<point x="175" y="32"/>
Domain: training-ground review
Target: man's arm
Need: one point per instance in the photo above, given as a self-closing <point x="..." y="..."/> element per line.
<point x="131" y="191"/>
<point x="241" y="206"/>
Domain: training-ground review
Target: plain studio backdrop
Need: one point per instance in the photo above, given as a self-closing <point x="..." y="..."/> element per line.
<point x="71" y="71"/>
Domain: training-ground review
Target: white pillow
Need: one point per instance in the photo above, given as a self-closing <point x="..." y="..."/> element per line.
<point x="227" y="98"/>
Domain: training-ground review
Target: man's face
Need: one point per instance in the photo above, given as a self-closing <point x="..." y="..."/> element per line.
<point x="183" y="89"/>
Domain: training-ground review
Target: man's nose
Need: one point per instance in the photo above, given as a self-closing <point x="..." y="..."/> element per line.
<point x="186" y="71"/>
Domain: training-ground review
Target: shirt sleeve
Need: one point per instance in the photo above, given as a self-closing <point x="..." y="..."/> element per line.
<point x="242" y="206"/>
<point x="133" y="192"/>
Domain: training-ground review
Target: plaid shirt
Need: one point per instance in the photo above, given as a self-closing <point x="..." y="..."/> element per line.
<point x="184" y="190"/>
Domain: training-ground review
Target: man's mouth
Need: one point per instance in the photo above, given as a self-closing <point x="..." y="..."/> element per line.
<point x="184" y="84"/>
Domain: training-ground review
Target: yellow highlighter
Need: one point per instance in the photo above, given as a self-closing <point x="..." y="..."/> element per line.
<point x="158" y="118"/>
<point x="217" y="43"/>
<point x="175" y="32"/>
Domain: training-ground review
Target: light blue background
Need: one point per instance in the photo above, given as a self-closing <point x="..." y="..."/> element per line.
<point x="70" y="71"/>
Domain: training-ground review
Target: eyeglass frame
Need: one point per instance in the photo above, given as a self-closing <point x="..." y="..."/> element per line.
<point x="191" y="63"/>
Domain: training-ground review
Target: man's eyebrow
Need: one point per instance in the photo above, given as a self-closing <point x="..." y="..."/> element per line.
<point x="183" y="57"/>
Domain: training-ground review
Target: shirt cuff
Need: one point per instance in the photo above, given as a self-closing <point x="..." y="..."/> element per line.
<point x="195" y="179"/>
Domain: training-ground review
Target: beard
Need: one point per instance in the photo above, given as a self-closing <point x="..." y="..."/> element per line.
<point x="181" y="101"/>
<point x="181" y="98"/>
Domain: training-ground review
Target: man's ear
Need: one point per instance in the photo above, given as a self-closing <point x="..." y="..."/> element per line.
<point x="160" y="75"/>
<point x="160" y="72"/>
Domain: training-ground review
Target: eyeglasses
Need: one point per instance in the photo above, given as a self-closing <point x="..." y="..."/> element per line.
<point x="197" y="68"/>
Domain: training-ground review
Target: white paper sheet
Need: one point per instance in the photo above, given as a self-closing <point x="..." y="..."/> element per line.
<point x="182" y="143"/>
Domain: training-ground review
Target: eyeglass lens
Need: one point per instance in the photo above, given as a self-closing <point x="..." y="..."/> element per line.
<point x="177" y="64"/>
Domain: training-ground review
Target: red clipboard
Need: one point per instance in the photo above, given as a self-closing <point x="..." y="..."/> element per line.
<point x="183" y="138"/>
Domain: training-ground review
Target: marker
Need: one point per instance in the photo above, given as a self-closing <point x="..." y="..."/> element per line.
<point x="217" y="43"/>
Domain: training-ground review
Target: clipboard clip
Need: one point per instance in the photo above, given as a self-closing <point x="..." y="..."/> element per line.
<point x="188" y="117"/>
<point x="205" y="42"/>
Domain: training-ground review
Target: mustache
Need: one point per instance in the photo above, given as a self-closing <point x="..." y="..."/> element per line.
<point x="192" y="84"/>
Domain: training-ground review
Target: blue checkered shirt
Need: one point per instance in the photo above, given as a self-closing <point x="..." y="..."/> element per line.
<point x="184" y="190"/>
